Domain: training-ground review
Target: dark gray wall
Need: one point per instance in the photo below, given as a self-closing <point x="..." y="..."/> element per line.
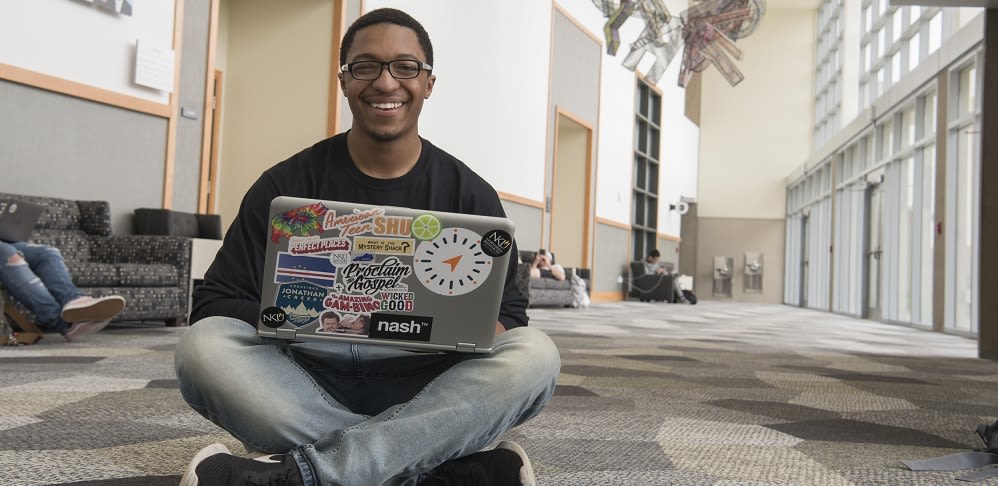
<point x="610" y="269"/>
<point x="61" y="146"/>
<point x="527" y="221"/>
<point x="187" y="162"/>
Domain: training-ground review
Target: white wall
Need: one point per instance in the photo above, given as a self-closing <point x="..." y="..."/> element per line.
<point x="489" y="101"/>
<point x="755" y="133"/>
<point x="615" y="143"/>
<point x="79" y="42"/>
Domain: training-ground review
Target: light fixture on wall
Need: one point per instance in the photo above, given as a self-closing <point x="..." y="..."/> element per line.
<point x="681" y="207"/>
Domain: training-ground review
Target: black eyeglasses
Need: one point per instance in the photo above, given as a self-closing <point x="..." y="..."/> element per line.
<point x="371" y="70"/>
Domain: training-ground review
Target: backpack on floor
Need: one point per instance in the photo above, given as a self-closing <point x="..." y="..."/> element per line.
<point x="690" y="296"/>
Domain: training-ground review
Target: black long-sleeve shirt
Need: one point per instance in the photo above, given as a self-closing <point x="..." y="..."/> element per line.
<point x="325" y="171"/>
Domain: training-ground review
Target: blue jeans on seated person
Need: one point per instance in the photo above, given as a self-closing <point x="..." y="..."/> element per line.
<point x="362" y="414"/>
<point x="41" y="281"/>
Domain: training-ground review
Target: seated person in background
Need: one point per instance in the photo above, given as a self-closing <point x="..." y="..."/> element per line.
<point x="542" y="267"/>
<point x="652" y="266"/>
<point x="36" y="275"/>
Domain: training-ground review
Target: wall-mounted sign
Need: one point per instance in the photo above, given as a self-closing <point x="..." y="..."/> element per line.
<point x="154" y="66"/>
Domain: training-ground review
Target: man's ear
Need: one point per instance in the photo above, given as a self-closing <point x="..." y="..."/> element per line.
<point x="343" y="84"/>
<point x="429" y="85"/>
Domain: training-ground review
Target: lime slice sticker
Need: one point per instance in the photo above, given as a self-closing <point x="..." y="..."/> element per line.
<point x="425" y="227"/>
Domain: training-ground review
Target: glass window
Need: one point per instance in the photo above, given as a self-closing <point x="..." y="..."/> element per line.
<point x="896" y="67"/>
<point x="935" y="32"/>
<point x="646" y="170"/>
<point x="908" y="127"/>
<point x="968" y="91"/>
<point x="913" y="51"/>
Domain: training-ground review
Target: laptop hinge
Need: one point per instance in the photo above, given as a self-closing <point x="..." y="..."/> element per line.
<point x="466" y="347"/>
<point x="286" y="333"/>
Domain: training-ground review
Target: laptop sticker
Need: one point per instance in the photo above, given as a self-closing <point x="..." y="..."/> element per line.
<point x="425" y="227"/>
<point x="301" y="302"/>
<point x="452" y="263"/>
<point x="351" y="303"/>
<point x="385" y="246"/>
<point x="308" y="268"/>
<point x="303" y="221"/>
<point x="400" y="300"/>
<point x="311" y="245"/>
<point x="333" y="322"/>
<point x="392" y="226"/>
<point x="356" y="223"/>
<point x="370" y="278"/>
<point x="401" y="327"/>
<point x="497" y="243"/>
<point x="273" y="317"/>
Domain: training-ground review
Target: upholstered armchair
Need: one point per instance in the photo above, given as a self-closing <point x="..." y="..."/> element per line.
<point x="649" y="286"/>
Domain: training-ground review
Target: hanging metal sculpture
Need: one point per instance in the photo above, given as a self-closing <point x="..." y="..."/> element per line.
<point x="706" y="32"/>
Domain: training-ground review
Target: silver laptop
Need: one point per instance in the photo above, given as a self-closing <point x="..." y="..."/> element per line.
<point x="416" y="279"/>
<point x="17" y="219"/>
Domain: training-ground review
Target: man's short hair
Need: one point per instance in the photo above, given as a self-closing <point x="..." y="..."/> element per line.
<point x="386" y="16"/>
<point x="654" y="254"/>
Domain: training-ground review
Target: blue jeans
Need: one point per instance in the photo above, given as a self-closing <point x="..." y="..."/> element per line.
<point x="41" y="281"/>
<point x="358" y="414"/>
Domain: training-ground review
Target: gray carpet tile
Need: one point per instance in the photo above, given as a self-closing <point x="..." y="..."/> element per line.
<point x="854" y="431"/>
<point x="716" y="394"/>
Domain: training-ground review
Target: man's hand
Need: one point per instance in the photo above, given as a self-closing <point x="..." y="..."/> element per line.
<point x="499" y="328"/>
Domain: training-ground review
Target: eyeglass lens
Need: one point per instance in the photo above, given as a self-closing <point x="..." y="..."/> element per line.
<point x="401" y="69"/>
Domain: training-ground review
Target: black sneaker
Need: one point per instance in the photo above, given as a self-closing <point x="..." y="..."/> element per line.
<point x="988" y="435"/>
<point x="506" y="465"/>
<point x="215" y="466"/>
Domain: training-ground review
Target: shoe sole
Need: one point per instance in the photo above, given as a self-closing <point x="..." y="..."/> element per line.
<point x="527" y="477"/>
<point x="100" y="309"/>
<point x="190" y="477"/>
<point x="84" y="328"/>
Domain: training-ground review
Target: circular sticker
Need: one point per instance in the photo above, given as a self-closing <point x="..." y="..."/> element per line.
<point x="497" y="243"/>
<point x="452" y="263"/>
<point x="273" y="317"/>
<point x="425" y="227"/>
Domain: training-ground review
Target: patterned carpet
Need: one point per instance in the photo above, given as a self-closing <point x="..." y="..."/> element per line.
<point x="650" y="394"/>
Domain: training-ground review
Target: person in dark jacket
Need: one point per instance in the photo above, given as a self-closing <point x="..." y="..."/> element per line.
<point x="349" y="413"/>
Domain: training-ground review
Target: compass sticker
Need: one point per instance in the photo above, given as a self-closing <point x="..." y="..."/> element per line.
<point x="453" y="263"/>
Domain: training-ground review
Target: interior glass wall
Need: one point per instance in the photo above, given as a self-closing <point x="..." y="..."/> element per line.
<point x="883" y="179"/>
<point x="963" y="170"/>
